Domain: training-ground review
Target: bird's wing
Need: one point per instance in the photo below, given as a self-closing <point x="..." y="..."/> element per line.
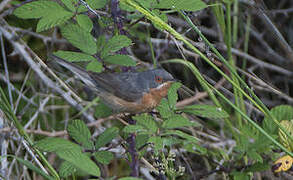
<point x="79" y="72"/>
<point x="121" y="85"/>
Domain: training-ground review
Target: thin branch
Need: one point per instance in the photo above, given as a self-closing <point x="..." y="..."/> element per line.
<point x="6" y="70"/>
<point x="21" y="48"/>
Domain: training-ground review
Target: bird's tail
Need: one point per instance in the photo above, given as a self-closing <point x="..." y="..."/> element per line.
<point x="79" y="72"/>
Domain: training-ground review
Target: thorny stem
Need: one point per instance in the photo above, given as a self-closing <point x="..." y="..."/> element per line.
<point x="134" y="164"/>
<point x="116" y="16"/>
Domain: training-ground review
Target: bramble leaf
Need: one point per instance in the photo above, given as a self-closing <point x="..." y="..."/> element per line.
<point x="79" y="38"/>
<point x="120" y="59"/>
<point x="74" y="56"/>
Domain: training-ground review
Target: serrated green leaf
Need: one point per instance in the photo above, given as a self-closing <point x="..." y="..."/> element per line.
<point x="257" y="167"/>
<point x="74" y="56"/>
<point x="185" y="5"/>
<point x="240" y="175"/>
<point x="80" y="160"/>
<point x="207" y="111"/>
<point x="120" y="59"/>
<point x="101" y="41"/>
<point x="53" y="144"/>
<point x="37" y="9"/>
<point x="164" y="109"/>
<point x="79" y="38"/>
<point x="106" y="137"/>
<point x="195" y="148"/>
<point x="115" y="44"/>
<point x="94" y="66"/>
<point x="78" y="130"/>
<point x="32" y="167"/>
<point x="172" y="94"/>
<point x="177" y="121"/>
<point x="104" y="157"/>
<point x="157" y="141"/>
<point x="134" y="129"/>
<point x="147" y="121"/>
<point x="97" y="4"/>
<point x="282" y="112"/>
<point x="181" y="134"/>
<point x="53" y="19"/>
<point x="125" y="7"/>
<point x="129" y="178"/>
<point x="254" y="156"/>
<point x="141" y="140"/>
<point x="171" y="140"/>
<point x="102" y="111"/>
<point x="66" y="169"/>
<point x="85" y="22"/>
<point x="70" y="4"/>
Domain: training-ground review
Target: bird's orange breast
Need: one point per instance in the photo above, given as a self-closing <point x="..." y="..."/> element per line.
<point x="147" y="103"/>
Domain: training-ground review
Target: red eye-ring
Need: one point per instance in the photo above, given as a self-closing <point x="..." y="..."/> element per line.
<point x="159" y="79"/>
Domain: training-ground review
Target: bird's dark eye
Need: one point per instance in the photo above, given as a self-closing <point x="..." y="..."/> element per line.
<point x="159" y="79"/>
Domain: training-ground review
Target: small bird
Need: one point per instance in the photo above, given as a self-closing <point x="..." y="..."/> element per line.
<point x="131" y="92"/>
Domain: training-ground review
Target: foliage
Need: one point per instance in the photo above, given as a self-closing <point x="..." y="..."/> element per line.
<point x="236" y="144"/>
<point x="76" y="160"/>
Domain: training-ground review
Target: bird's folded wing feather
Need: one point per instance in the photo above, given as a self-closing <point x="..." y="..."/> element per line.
<point x="121" y="85"/>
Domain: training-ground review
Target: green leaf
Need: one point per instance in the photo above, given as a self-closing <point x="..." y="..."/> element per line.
<point x="240" y="176"/>
<point x="102" y="110"/>
<point x="157" y="141"/>
<point x="115" y="44"/>
<point x="120" y="59"/>
<point x="106" y="137"/>
<point x="104" y="157"/>
<point x="171" y="141"/>
<point x="257" y="167"/>
<point x="147" y="121"/>
<point x="37" y="9"/>
<point x="172" y="94"/>
<point x="101" y="41"/>
<point x="97" y="4"/>
<point x="182" y="135"/>
<point x="282" y="112"/>
<point x="85" y="22"/>
<point x="129" y="178"/>
<point x="70" y="4"/>
<point x="164" y="109"/>
<point x="195" y="148"/>
<point x="94" y="66"/>
<point x="177" y="121"/>
<point x="185" y="5"/>
<point x="148" y="3"/>
<point x="32" y="167"/>
<point x="53" y="144"/>
<point x="66" y="169"/>
<point x="74" y="56"/>
<point x="134" y="129"/>
<point x="79" y="160"/>
<point x="78" y="130"/>
<point x="53" y="19"/>
<point x="254" y="156"/>
<point x="141" y="140"/>
<point x="207" y="111"/>
<point x="79" y="38"/>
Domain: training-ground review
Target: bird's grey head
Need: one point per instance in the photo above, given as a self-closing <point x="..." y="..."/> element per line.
<point x="154" y="78"/>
